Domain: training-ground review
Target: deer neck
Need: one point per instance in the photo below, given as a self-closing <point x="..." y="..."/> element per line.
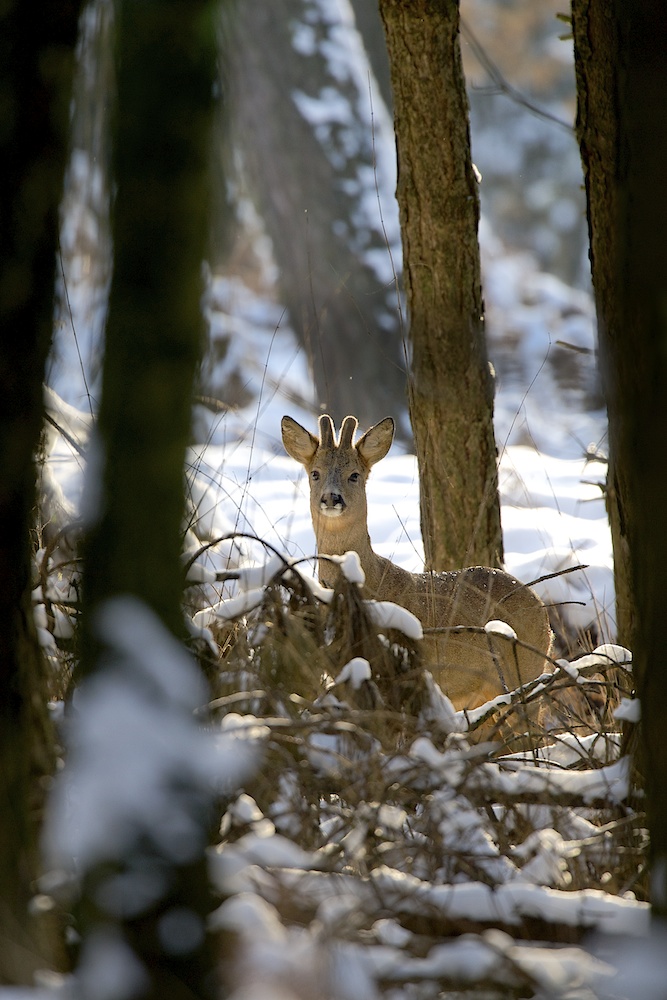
<point x="335" y="537"/>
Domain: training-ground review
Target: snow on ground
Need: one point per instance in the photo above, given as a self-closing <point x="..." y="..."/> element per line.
<point x="550" y="430"/>
<point x="552" y="503"/>
<point x="550" y="479"/>
<point x="550" y="425"/>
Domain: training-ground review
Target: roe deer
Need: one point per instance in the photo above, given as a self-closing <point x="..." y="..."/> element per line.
<point x="471" y="668"/>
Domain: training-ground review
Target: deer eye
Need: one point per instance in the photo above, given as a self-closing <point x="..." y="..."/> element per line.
<point x="315" y="475"/>
<point x="354" y="478"/>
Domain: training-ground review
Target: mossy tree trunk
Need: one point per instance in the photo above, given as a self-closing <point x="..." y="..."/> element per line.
<point x="36" y="70"/>
<point x="622" y="93"/>
<point x="166" y="70"/>
<point x="451" y="385"/>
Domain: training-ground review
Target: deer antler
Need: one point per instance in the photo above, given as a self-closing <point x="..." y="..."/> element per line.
<point x="347" y="430"/>
<point x="326" y="431"/>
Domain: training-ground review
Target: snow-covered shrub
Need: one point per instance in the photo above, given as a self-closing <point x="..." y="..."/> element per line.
<point x="382" y="846"/>
<point x="389" y="845"/>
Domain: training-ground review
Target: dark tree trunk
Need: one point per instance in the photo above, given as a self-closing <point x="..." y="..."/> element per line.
<point x="451" y="386"/>
<point x="36" y="68"/>
<point x="622" y="91"/>
<point x="165" y="67"/>
<point x="313" y="186"/>
<point x="597" y="55"/>
<point x="155" y="327"/>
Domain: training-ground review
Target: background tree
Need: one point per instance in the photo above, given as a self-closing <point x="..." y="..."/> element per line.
<point x="36" y="68"/>
<point x="165" y="70"/>
<point x="622" y="89"/>
<point x="309" y="168"/>
<point x="85" y="258"/>
<point x="451" y="387"/>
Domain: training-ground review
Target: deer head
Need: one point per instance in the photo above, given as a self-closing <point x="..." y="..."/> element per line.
<point x="338" y="469"/>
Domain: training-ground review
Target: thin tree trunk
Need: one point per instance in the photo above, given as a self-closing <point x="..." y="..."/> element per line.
<point x="451" y="386"/>
<point x="636" y="356"/>
<point x="596" y="48"/>
<point x="36" y="69"/>
<point x="622" y="92"/>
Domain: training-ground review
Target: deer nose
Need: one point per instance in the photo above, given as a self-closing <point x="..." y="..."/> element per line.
<point x="332" y="503"/>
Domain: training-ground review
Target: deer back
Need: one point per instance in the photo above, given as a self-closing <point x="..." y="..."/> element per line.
<point x="472" y="668"/>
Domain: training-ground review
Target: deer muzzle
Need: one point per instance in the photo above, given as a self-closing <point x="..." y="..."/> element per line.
<point x="332" y="504"/>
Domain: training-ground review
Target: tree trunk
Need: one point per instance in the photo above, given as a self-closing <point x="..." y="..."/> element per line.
<point x="84" y="272"/>
<point x="451" y="386"/>
<point x="597" y="53"/>
<point x="309" y="167"/>
<point x="155" y="327"/>
<point x="165" y="66"/>
<point x="622" y="91"/>
<point x="36" y="68"/>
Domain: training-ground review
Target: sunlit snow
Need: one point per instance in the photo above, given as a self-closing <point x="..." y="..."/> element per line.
<point x="133" y="733"/>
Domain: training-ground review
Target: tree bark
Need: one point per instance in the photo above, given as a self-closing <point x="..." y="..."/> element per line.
<point x="165" y="70"/>
<point x="36" y="69"/>
<point x="622" y="90"/>
<point x="451" y="385"/>
<point x="155" y="326"/>
<point x="597" y="54"/>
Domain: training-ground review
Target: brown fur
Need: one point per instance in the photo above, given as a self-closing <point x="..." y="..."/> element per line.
<point x="470" y="668"/>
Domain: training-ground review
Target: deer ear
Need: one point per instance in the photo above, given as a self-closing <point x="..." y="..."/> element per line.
<point x="299" y="443"/>
<point x="376" y="442"/>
